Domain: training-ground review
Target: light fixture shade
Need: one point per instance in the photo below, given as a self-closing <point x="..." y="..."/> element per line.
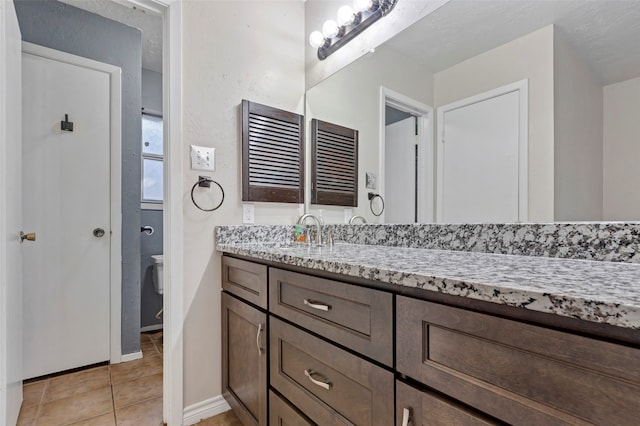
<point x="316" y="39"/>
<point x="362" y="5"/>
<point x="345" y="16"/>
<point x="330" y="28"/>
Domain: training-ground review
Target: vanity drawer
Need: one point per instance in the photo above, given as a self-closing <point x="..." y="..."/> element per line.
<point x="427" y="408"/>
<point x="328" y="384"/>
<point x="246" y="280"/>
<point x="356" y="317"/>
<point x="515" y="371"/>
<point x="283" y="414"/>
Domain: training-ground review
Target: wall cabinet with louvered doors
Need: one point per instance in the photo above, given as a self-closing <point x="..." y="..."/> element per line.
<point x="244" y="341"/>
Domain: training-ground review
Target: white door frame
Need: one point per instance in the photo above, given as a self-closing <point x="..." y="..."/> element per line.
<point x="521" y="86"/>
<point x="115" y="167"/>
<point x="425" y="148"/>
<point x="173" y="386"/>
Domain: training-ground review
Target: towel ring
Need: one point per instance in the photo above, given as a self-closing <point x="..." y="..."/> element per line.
<point x="372" y="197"/>
<point x="206" y="182"/>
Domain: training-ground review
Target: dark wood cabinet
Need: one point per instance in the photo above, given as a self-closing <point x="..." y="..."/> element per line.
<point x="244" y="360"/>
<point x="330" y="385"/>
<point x="246" y="280"/>
<point x="514" y="371"/>
<point x="359" y="318"/>
<point x="331" y="358"/>
<point x="425" y="408"/>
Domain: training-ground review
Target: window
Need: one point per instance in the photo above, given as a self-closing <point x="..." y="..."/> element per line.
<point x="152" y="158"/>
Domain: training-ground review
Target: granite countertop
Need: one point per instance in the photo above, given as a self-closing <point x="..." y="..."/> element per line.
<point x="602" y="292"/>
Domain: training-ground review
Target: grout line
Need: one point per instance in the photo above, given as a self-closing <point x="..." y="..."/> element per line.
<point x="113" y="399"/>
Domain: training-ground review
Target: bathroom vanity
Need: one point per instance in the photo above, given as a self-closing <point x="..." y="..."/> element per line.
<point x="373" y="335"/>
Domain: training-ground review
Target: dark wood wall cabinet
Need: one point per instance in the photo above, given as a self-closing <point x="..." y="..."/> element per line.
<point x="272" y="154"/>
<point x="334" y="164"/>
<point x="331" y="359"/>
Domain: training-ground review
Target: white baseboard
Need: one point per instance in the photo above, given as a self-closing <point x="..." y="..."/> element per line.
<point x="131" y="357"/>
<point x="205" y="409"/>
<point x="151" y="328"/>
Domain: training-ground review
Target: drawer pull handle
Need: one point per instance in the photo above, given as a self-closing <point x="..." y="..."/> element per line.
<point x="260" y="349"/>
<point x="323" y="384"/>
<point x="316" y="305"/>
<point x="406" y="416"/>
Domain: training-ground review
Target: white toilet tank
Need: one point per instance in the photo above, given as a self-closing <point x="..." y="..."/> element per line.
<point x="158" y="285"/>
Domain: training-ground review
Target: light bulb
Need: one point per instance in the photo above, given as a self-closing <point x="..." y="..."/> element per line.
<point x="362" y="5"/>
<point x="330" y="29"/>
<point x="316" y="39"/>
<point x="345" y="16"/>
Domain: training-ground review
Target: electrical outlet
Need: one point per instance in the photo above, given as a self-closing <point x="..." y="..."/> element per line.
<point x="248" y="213"/>
<point x="203" y="158"/>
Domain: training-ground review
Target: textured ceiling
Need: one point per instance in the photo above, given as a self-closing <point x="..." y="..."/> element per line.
<point x="605" y="32"/>
<point x="149" y="23"/>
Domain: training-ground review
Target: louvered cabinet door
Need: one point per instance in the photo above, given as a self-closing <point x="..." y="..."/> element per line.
<point x="272" y="154"/>
<point x="334" y="164"/>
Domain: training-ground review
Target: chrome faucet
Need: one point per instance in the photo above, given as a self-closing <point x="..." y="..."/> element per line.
<point x="304" y="217"/>
<point x="353" y="219"/>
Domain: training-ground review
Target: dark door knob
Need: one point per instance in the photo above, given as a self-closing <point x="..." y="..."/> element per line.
<point x="98" y="232"/>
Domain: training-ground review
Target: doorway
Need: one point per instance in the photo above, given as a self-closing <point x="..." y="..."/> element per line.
<point x="406" y="159"/>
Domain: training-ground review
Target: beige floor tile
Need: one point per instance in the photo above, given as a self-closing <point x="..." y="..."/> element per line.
<point x="224" y="419"/>
<point x="27" y="415"/>
<point x="32" y="393"/>
<point x="126" y="371"/>
<point x="77" y="383"/>
<point x="137" y="390"/>
<point x="148" y="413"/>
<point x="103" y="420"/>
<point x="75" y="408"/>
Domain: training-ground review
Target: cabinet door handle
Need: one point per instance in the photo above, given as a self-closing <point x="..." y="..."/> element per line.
<point x="316" y="305"/>
<point x="406" y="416"/>
<point x="323" y="384"/>
<point x="260" y="349"/>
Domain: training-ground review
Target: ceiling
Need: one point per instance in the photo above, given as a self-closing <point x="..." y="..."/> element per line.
<point x="148" y="22"/>
<point x="605" y="32"/>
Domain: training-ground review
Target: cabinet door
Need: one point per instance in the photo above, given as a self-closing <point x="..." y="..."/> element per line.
<point x="244" y="360"/>
<point x="428" y="409"/>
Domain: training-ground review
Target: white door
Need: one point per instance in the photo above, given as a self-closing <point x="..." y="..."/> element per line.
<point x="400" y="170"/>
<point x="66" y="201"/>
<point x="10" y="217"/>
<point x="482" y="159"/>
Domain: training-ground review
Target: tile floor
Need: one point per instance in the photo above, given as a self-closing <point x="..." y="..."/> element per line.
<point x="121" y="394"/>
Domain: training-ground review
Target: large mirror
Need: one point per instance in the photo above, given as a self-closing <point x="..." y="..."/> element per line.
<point x="496" y="111"/>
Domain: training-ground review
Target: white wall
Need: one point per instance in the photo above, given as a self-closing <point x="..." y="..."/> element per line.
<point x="231" y="50"/>
<point x="578" y="153"/>
<point x="351" y="98"/>
<point x="622" y="150"/>
<point x="529" y="57"/>
<point x="404" y="14"/>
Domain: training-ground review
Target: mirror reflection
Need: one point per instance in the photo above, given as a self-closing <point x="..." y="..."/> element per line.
<point x="496" y="111"/>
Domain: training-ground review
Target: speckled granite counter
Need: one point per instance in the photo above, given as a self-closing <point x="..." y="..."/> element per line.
<point x="602" y="292"/>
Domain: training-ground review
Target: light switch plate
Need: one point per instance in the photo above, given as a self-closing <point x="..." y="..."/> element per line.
<point x="203" y="158"/>
<point x="248" y="214"/>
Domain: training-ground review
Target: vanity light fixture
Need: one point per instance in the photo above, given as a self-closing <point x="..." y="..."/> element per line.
<point x="350" y="23"/>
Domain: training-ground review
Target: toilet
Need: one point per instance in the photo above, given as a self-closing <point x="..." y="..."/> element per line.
<point x="157" y="273"/>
